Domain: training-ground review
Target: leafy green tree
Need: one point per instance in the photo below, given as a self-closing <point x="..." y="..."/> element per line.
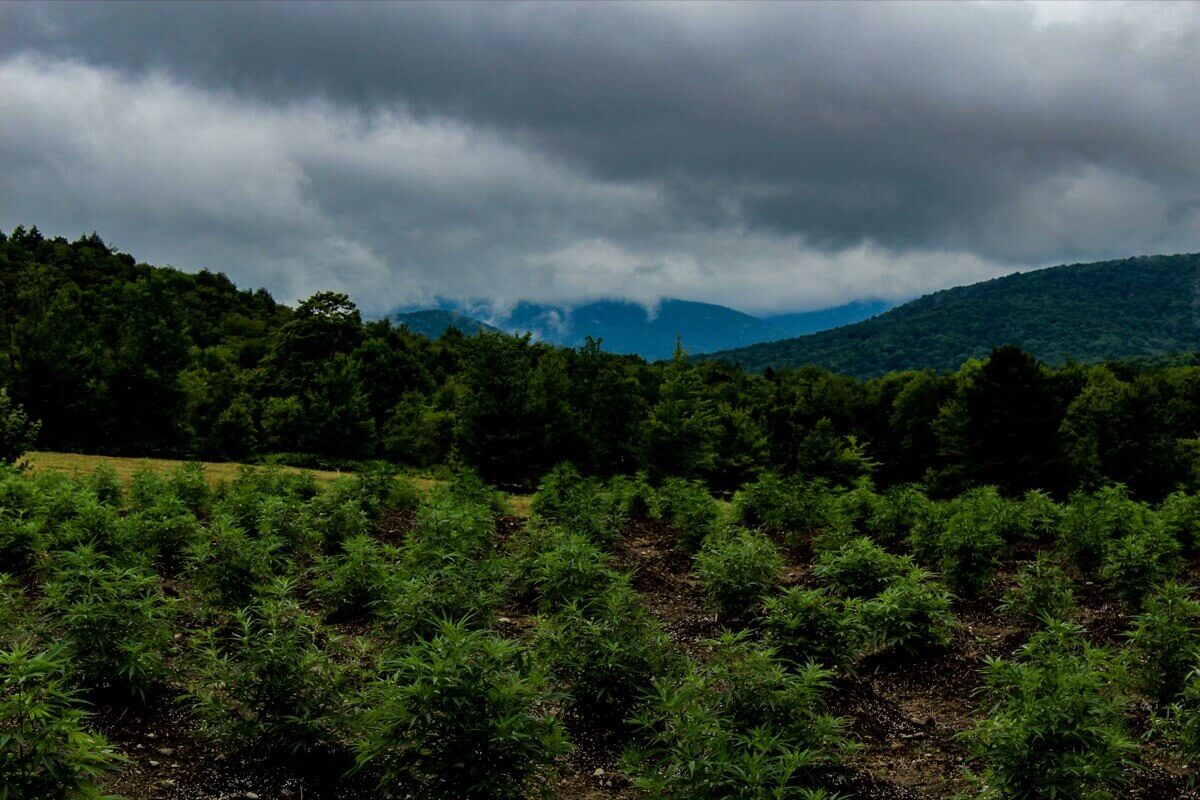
<point x="682" y="430"/>
<point x="17" y="431"/>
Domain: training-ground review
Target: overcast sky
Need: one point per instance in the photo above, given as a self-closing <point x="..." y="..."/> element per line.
<point x="768" y="157"/>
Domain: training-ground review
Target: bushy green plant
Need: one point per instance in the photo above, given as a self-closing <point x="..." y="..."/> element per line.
<point x="46" y="750"/>
<point x="414" y="601"/>
<point x="1040" y="516"/>
<point x="566" y="499"/>
<point x="1043" y="590"/>
<point x="114" y="620"/>
<point x="460" y="714"/>
<point x="13" y="610"/>
<point x="859" y="568"/>
<point x="162" y="530"/>
<point x="688" y="506"/>
<point x="1091" y="522"/>
<point x="630" y="497"/>
<point x="1164" y="641"/>
<point x="268" y="685"/>
<point x="448" y="525"/>
<point x="912" y="614"/>
<point x="188" y="484"/>
<point x="104" y="483"/>
<point x="147" y="487"/>
<point x="354" y="583"/>
<point x="811" y="625"/>
<point x="564" y="567"/>
<point x="380" y="488"/>
<point x="1054" y="726"/>
<point x="90" y="523"/>
<point x="337" y="520"/>
<point x="968" y="553"/>
<point x="1183" y="721"/>
<point x="604" y="654"/>
<point x="1180" y="516"/>
<point x="287" y="521"/>
<point x="1139" y="561"/>
<point x="739" y="725"/>
<point x="19" y="496"/>
<point x="899" y="511"/>
<point x="792" y="505"/>
<point x="737" y="568"/>
<point x="230" y="565"/>
<point x="20" y="540"/>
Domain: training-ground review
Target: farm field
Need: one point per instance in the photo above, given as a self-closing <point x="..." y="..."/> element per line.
<point x="277" y="635"/>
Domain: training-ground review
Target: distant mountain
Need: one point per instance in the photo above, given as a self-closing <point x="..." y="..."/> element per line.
<point x="1146" y="306"/>
<point x="433" y="322"/>
<point x="806" y="322"/>
<point x="627" y="327"/>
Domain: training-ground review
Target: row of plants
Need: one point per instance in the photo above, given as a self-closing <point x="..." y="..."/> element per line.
<point x="288" y="628"/>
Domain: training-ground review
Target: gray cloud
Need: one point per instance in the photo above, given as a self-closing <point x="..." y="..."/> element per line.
<point x="766" y="156"/>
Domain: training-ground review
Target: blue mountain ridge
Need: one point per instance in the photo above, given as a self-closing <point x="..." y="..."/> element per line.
<point x="628" y="327"/>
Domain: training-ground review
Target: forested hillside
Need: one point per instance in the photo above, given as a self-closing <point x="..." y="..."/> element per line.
<point x="1087" y="312"/>
<point x="116" y="357"/>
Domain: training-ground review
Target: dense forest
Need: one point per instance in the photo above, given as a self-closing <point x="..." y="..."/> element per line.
<point x="1135" y="307"/>
<point x="794" y="585"/>
<point x="113" y="356"/>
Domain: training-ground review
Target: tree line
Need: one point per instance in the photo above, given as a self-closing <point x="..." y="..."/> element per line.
<point x="112" y="356"/>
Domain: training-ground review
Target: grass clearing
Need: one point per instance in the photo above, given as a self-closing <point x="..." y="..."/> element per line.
<point x="216" y="472"/>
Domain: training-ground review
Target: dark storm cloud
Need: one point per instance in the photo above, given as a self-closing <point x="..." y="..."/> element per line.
<point x="815" y="150"/>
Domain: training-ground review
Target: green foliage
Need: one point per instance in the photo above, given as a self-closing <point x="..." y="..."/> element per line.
<point x="114" y="620"/>
<point x="564" y="498"/>
<point x="46" y="750"/>
<point x="1090" y="523"/>
<point x="912" y="614"/>
<point x="1180" y="516"/>
<point x="805" y="625"/>
<point x="1164" y="643"/>
<point x="355" y="582"/>
<point x="562" y="568"/>
<point x="1054" y="726"/>
<point x="737" y="569"/>
<point x="739" y="725"/>
<point x="1043" y="590"/>
<point x="688" y="506"/>
<point x="787" y="505"/>
<point x="1183" y="722"/>
<point x="604" y="654"/>
<point x="1137" y="562"/>
<point x="268" y="684"/>
<point x="17" y="431"/>
<point x="681" y="431"/>
<point x="971" y="536"/>
<point x="163" y="530"/>
<point x="459" y="692"/>
<point x="231" y="565"/>
<point x="859" y="568"/>
<point x="20" y="540"/>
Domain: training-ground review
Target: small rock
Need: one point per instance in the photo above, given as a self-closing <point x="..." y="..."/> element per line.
<point x="166" y="751"/>
<point x="599" y="773"/>
<point x="250" y="796"/>
<point x="153" y="763"/>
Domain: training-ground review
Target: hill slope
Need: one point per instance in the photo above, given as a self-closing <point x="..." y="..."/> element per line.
<point x="1142" y="306"/>
<point x="434" y="322"/>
